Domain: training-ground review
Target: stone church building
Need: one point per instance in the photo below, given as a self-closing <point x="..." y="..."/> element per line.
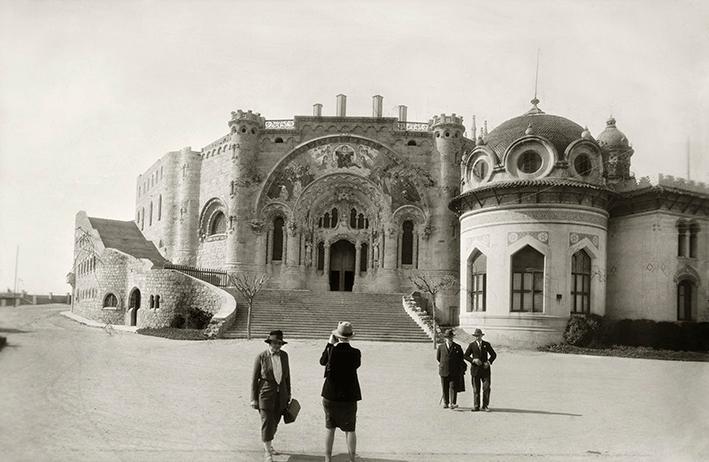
<point x="537" y="219"/>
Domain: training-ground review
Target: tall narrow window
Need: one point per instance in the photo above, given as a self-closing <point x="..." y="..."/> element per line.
<point x="478" y="282"/>
<point x="580" y="282"/>
<point x="321" y="256"/>
<point x="326" y="221"/>
<point x="334" y="218"/>
<point x="527" y="280"/>
<point x="353" y="218"/>
<point x="159" y="206"/>
<point x="364" y="258"/>
<point x="684" y="300"/>
<point x="142" y="218"/>
<point x="218" y="225"/>
<point x="157" y="301"/>
<point x="360" y="221"/>
<point x="682" y="239"/>
<point x="693" y="231"/>
<point x="150" y="215"/>
<point x="152" y="301"/>
<point x="407" y="243"/>
<point x="277" y="254"/>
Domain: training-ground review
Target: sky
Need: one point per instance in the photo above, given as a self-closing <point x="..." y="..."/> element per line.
<point x="92" y="93"/>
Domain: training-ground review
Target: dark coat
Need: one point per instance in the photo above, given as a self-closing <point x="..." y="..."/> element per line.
<point x="341" y="363"/>
<point x="451" y="364"/>
<point x="485" y="354"/>
<point x="264" y="388"/>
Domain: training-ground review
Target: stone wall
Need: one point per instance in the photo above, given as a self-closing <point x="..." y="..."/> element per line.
<point x="211" y="252"/>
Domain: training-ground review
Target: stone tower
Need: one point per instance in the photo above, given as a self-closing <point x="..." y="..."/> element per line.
<point x="448" y="132"/>
<point x="187" y="206"/>
<point x="616" y="152"/>
<point x="246" y="128"/>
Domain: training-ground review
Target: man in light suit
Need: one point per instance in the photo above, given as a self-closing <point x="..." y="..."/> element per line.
<point x="451" y="368"/>
<point x="270" y="388"/>
<point x="481" y="356"/>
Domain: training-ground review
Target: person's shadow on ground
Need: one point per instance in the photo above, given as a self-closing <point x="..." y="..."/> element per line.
<point x="517" y="411"/>
<point x="336" y="458"/>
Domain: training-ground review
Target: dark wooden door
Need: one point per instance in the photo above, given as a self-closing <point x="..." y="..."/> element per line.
<point x="342" y="265"/>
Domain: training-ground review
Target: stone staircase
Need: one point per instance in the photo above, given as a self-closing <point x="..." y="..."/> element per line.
<point x="304" y="314"/>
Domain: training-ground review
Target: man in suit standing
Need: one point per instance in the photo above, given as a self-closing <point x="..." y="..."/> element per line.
<point x="270" y="388"/>
<point x="451" y="368"/>
<point x="341" y="391"/>
<point x="481" y="356"/>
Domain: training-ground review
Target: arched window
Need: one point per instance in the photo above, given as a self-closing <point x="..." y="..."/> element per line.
<point x="277" y="254"/>
<point x="693" y="231"/>
<point x="364" y="258"/>
<point x="682" y="229"/>
<point x="334" y="218"/>
<point x="353" y="218"/>
<point x="218" y="224"/>
<point x="278" y="140"/>
<point x="478" y="282"/>
<point x="160" y="205"/>
<point x="407" y="243"/>
<point x="326" y="220"/>
<point x="157" y="301"/>
<point x="142" y="218"/>
<point x="480" y="169"/>
<point x="150" y="215"/>
<point x="320" y="222"/>
<point x="321" y="256"/>
<point x="527" y="280"/>
<point x="411" y="143"/>
<point x="685" y="294"/>
<point x="110" y="301"/>
<point x="580" y="282"/>
<point x="152" y="301"/>
<point x="360" y="221"/>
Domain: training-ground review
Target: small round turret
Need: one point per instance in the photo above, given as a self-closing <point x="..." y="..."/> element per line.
<point x="611" y="137"/>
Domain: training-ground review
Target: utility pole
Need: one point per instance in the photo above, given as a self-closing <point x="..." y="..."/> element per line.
<point x="17" y="259"/>
<point x="689" y="156"/>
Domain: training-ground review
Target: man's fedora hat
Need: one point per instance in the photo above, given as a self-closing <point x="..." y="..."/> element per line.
<point x="344" y="330"/>
<point x="478" y="333"/>
<point x="275" y="335"/>
<point x="449" y="333"/>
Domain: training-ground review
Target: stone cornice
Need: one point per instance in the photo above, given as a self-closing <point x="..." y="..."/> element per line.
<point x="659" y="198"/>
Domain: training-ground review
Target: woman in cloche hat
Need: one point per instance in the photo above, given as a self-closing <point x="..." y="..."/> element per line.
<point x="270" y="388"/>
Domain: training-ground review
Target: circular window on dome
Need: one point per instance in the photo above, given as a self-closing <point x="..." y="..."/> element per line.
<point x="583" y="165"/>
<point x="480" y="170"/>
<point x="529" y="162"/>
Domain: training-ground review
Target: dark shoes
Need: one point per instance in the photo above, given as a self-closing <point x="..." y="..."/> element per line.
<point x="486" y="409"/>
<point x="476" y="409"/>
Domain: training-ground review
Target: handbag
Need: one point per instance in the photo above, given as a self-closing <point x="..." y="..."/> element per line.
<point x="291" y="411"/>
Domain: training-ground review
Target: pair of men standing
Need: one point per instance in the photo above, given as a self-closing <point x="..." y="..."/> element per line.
<point x="451" y="368"/>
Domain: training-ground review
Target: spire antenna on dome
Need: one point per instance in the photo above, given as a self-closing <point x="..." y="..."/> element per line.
<point x="535" y="101"/>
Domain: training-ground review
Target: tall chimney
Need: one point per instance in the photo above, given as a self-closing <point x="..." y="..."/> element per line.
<point x="341" y="105"/>
<point x="377" y="103"/>
<point x="317" y="110"/>
<point x="402" y="113"/>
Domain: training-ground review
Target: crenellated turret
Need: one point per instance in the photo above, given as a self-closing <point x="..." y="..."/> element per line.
<point x="187" y="185"/>
<point x="246" y="128"/>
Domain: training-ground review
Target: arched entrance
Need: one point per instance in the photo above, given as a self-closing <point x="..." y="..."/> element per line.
<point x="342" y="266"/>
<point x="134" y="306"/>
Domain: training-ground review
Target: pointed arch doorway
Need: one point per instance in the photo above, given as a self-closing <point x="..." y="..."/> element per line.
<point x="342" y="266"/>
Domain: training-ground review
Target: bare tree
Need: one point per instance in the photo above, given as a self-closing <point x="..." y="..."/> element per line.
<point x="249" y="285"/>
<point x="431" y="285"/>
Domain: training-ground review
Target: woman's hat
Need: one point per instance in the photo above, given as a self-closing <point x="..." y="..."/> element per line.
<point x="478" y="333"/>
<point x="449" y="333"/>
<point x="344" y="330"/>
<point x="275" y="335"/>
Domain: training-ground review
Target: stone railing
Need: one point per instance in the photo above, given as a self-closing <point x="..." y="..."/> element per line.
<point x="419" y="314"/>
<point x="412" y="126"/>
<point x="283" y="124"/>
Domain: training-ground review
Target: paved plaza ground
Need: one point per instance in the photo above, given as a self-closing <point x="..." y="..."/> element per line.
<point x="71" y="392"/>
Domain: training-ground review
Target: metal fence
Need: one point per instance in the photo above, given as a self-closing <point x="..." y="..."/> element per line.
<point x="215" y="277"/>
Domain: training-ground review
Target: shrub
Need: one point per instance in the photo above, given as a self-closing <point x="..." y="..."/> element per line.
<point x="178" y="322"/>
<point x="198" y="319"/>
<point x="582" y="330"/>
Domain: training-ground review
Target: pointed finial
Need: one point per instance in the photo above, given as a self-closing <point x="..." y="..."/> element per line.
<point x="474" y="129"/>
<point x="586" y="134"/>
<point x="529" y="130"/>
<point x="486" y="128"/>
<point x="611" y="121"/>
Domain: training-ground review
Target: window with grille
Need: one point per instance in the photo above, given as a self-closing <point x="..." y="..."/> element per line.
<point x="528" y="281"/>
<point x="478" y="283"/>
<point x="581" y="282"/>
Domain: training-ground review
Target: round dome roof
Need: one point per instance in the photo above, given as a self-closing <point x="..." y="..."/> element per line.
<point x="561" y="132"/>
<point x="611" y="137"/>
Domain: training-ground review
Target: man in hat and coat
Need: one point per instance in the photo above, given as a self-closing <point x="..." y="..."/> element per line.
<point x="481" y="356"/>
<point x="451" y="368"/>
<point x="341" y="391"/>
<point x="270" y="388"/>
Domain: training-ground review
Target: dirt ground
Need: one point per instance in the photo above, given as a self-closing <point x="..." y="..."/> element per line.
<point x="71" y="392"/>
